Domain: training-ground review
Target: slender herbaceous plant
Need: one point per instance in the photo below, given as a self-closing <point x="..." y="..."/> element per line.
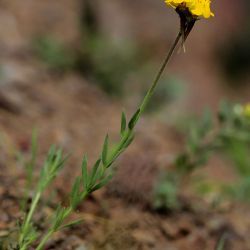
<point x="101" y="172"/>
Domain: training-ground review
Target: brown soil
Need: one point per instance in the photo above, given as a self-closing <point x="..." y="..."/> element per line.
<point x="120" y="217"/>
<point x="71" y="112"/>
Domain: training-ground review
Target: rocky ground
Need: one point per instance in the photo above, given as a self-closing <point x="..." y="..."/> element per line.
<point x="69" y="111"/>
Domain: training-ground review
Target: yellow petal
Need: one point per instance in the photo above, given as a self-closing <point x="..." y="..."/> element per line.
<point x="200" y="8"/>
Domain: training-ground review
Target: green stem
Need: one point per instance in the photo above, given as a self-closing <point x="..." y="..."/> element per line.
<point x="47" y="236"/>
<point x="127" y="134"/>
<point x="29" y="169"/>
<point x="29" y="217"/>
<point x="158" y="76"/>
<point x="44" y="240"/>
<point x="145" y="100"/>
<point x="23" y="248"/>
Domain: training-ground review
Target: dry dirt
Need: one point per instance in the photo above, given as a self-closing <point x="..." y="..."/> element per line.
<point x="69" y="111"/>
<point x="120" y="216"/>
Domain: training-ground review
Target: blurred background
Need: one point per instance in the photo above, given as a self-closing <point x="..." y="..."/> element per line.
<point x="113" y="46"/>
<point x="68" y="69"/>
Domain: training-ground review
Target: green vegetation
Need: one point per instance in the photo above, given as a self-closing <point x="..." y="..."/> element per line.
<point x="88" y="182"/>
<point x="54" y="54"/>
<point x="109" y="67"/>
<point x="228" y="135"/>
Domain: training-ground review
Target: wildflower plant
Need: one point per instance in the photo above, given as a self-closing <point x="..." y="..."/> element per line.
<point x="101" y="172"/>
<point x="189" y="12"/>
<point x="229" y="136"/>
<point x="196" y="8"/>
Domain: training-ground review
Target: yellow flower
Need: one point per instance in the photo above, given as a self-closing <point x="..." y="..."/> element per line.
<point x="198" y="8"/>
<point x="246" y="110"/>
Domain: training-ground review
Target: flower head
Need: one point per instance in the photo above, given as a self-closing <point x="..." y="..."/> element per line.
<point x="197" y="8"/>
<point x="242" y="110"/>
<point x="190" y="11"/>
<point x="246" y="110"/>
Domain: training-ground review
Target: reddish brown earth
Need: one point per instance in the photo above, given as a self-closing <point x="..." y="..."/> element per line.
<point x="118" y="217"/>
<point x="69" y="111"/>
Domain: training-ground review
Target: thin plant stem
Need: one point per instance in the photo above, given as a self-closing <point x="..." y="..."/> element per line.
<point x="32" y="209"/>
<point x="158" y="76"/>
<point x="49" y="233"/>
<point x="29" y="216"/>
<point x="44" y="240"/>
<point x="29" y="166"/>
<point x="127" y="135"/>
<point x="145" y="100"/>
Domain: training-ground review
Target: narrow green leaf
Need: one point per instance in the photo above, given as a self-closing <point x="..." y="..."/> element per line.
<point x="70" y="224"/>
<point x="221" y="243"/>
<point x="75" y="197"/>
<point x="61" y="162"/>
<point x="29" y="168"/>
<point x="123" y="148"/>
<point x="123" y="123"/>
<point x="134" y="119"/>
<point x="105" y="150"/>
<point x="32" y="161"/>
<point x="53" y="164"/>
<point x="128" y="141"/>
<point x="102" y="183"/>
<point x="94" y="173"/>
<point x="58" y="218"/>
<point x="85" y="176"/>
